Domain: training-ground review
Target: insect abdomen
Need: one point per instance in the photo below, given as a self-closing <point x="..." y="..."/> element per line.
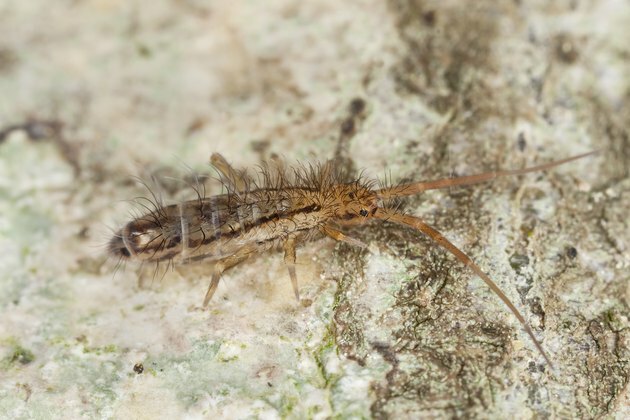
<point x="215" y="227"/>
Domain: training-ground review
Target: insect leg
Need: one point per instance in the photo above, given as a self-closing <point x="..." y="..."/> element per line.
<point x="340" y="236"/>
<point x="289" y="260"/>
<point x="237" y="180"/>
<point x="214" y="283"/>
<point x="418" y="224"/>
<point x="219" y="268"/>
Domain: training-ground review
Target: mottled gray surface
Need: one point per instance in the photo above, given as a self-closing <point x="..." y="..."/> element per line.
<point x="94" y="92"/>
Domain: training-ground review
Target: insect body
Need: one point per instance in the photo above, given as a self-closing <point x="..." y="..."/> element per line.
<point x="281" y="211"/>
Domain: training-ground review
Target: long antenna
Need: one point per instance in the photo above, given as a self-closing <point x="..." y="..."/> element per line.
<point x="418" y="187"/>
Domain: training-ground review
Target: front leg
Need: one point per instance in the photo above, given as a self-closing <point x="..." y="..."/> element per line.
<point x="340" y="236"/>
<point x="418" y="224"/>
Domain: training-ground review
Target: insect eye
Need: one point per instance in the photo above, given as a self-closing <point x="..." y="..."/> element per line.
<point x="363" y="212"/>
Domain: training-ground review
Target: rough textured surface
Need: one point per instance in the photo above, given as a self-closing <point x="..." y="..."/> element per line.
<point x="92" y="92"/>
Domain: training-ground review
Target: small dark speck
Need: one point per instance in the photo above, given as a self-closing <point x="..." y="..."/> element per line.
<point x="429" y="17"/>
<point x="347" y="127"/>
<point x="566" y="50"/>
<point x="521" y="142"/>
<point x="571" y="252"/>
<point x="144" y="51"/>
<point x="531" y="366"/>
<point x="518" y="261"/>
<point x="39" y="130"/>
<point x="260" y="146"/>
<point x="357" y="106"/>
<point x="412" y="145"/>
<point x="138" y="368"/>
<point x="195" y="125"/>
<point x="269" y="385"/>
<point x="22" y="356"/>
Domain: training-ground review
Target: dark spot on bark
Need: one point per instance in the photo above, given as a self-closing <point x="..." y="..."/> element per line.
<point x="518" y="261"/>
<point x="429" y="17"/>
<point x="22" y="356"/>
<point x="565" y="49"/>
<point x="347" y="127"/>
<point x="357" y="106"/>
<point x="521" y="142"/>
<point x="138" y="368"/>
<point x="260" y="146"/>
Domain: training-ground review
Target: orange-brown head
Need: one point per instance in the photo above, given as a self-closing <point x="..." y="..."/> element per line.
<point x="353" y="203"/>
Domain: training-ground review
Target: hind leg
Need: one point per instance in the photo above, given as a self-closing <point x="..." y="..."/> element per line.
<point x="219" y="268"/>
<point x="236" y="180"/>
<point x="289" y="260"/>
